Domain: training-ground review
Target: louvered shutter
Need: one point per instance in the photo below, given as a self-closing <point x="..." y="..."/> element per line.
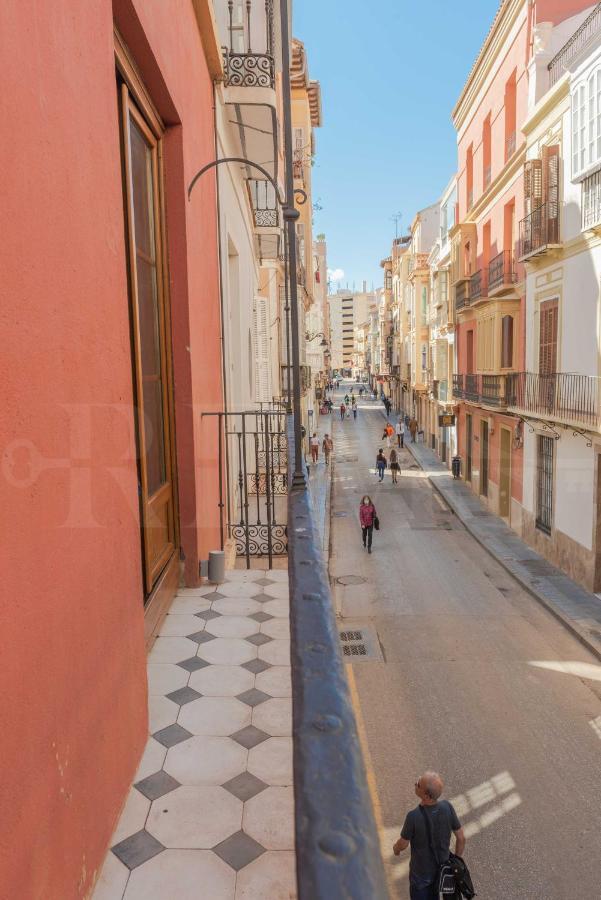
<point x="547" y="353"/>
<point x="533" y="185"/>
<point x="551" y="192"/>
<point x="261" y="344"/>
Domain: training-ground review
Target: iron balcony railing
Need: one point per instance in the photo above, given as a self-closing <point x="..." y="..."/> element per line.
<point x="264" y="203"/>
<point x="462" y="294"/>
<point x="478" y="285"/>
<point x="471" y="387"/>
<point x="579" y="39"/>
<point x="501" y="270"/>
<point x="489" y="390"/>
<point x="244" y="66"/>
<point x="459" y="387"/>
<point x="563" y="397"/>
<point x="539" y="230"/>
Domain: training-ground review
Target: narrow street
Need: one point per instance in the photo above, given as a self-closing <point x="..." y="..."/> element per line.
<point x="475" y="680"/>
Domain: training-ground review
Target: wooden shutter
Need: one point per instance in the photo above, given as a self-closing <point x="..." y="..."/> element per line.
<point x="551" y="192"/>
<point x="261" y="346"/>
<point x="547" y="341"/>
<point x="506" y="342"/>
<point x="533" y="185"/>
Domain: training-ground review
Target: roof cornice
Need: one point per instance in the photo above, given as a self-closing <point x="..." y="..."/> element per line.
<point x="506" y="16"/>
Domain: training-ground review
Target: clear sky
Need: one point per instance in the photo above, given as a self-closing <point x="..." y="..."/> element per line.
<point x="390" y="73"/>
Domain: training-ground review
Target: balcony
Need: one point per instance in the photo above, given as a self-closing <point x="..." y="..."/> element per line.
<point x="579" y="39"/>
<point x="539" y="232"/>
<point x="501" y="274"/>
<point x="244" y="67"/>
<point x="459" y="387"/>
<point x="462" y="295"/>
<point x="487" y="390"/>
<point x="263" y="202"/>
<point x="477" y="286"/>
<point x="562" y="397"/>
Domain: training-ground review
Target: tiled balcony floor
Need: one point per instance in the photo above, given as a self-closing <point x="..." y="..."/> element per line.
<point x="210" y="814"/>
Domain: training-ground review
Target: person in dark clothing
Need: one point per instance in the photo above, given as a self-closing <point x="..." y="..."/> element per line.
<point x="381" y="463"/>
<point x="424" y="867"/>
<point x="367" y="514"/>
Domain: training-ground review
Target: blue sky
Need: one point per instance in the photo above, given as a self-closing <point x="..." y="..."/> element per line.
<point x="390" y="73"/>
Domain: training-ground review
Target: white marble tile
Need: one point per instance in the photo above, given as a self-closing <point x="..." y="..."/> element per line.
<point x="241" y="607"/>
<point x="189" y="605"/>
<point x="214" y="716"/>
<point x="277" y="575"/>
<point x="133" y="816"/>
<point x="166" y="677"/>
<point x="277" y="681"/>
<point x="206" y="760"/>
<point x="182" y="875"/>
<point x="180" y="625"/>
<point x="172" y="649"/>
<point x="277" y="628"/>
<point x="279" y="591"/>
<point x="277" y="608"/>
<point x="276" y="652"/>
<point x="154" y="753"/>
<point x="269" y="818"/>
<point x="237" y="589"/>
<point x="194" y="818"/>
<point x="272" y="761"/>
<point x="232" y="626"/>
<point x="228" y="651"/>
<point x="112" y="879"/>
<point x="274" y="717"/>
<point x="244" y="574"/>
<point x="161" y="712"/>
<point x="272" y="876"/>
<point x="221" y="681"/>
<point x="203" y="590"/>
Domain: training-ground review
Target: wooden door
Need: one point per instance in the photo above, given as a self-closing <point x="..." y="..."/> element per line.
<point x="505" y="474"/>
<point x="484" y="458"/>
<point x="468" y="448"/>
<point x="149" y="318"/>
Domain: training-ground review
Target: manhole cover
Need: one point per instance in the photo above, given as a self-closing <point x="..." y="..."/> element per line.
<point x="351" y="579"/>
<point x="340" y="514"/>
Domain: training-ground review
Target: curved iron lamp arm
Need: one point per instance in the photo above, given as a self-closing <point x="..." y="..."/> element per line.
<point x="302" y="196"/>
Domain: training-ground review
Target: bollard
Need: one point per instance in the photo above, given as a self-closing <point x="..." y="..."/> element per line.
<point x="216" y="566"/>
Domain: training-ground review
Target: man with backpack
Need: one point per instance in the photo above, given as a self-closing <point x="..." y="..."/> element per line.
<point x="428" y="830"/>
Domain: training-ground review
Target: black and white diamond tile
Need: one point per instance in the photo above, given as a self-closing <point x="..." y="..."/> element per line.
<point x="212" y="803"/>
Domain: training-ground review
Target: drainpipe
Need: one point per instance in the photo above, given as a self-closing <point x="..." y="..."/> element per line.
<point x="291" y="214"/>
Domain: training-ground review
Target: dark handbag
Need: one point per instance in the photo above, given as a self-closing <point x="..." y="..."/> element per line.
<point x="446" y="885"/>
<point x="376" y="523"/>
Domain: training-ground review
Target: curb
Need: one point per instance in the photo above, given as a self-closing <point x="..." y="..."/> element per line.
<point x="575" y="629"/>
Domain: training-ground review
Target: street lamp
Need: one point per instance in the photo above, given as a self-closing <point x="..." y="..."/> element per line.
<point x="309" y="338"/>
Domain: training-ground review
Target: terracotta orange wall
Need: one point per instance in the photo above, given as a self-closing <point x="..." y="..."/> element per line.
<point x="73" y="661"/>
<point x="559" y="10"/>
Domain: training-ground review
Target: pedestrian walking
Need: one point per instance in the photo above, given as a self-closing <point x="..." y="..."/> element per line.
<point x="360" y="392"/>
<point x="413" y="428"/>
<point x="394" y="465"/>
<point x="328" y="446"/>
<point x="381" y="463"/>
<point x="400" y="433"/>
<point x="354" y="411"/>
<point x="389" y="434"/>
<point x="368" y="518"/>
<point x="314" y="443"/>
<point x="342" y="410"/>
<point x="428" y="828"/>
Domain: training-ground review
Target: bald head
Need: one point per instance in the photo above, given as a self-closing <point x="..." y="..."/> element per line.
<point x="432" y="785"/>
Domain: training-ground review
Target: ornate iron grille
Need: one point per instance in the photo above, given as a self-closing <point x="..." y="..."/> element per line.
<point x="478" y="285"/>
<point x="246" y="68"/>
<point x="544" y="483"/>
<point x="562" y="396"/>
<point x="501" y="270"/>
<point x="539" y="230"/>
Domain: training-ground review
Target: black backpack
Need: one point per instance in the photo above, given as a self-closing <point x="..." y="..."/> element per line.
<point x="454" y="880"/>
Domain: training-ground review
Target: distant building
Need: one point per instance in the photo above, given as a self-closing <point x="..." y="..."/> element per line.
<point x="347" y="309"/>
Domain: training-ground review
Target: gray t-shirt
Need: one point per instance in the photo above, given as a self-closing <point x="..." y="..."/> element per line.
<point x="444" y="820"/>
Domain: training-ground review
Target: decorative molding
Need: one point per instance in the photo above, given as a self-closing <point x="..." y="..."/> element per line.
<point x="209" y="35"/>
<point x="547" y="105"/>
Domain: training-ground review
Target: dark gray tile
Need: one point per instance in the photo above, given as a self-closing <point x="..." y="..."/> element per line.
<point x="249" y="737"/>
<point x="261" y="617"/>
<point x="137" y="849"/>
<point x="258" y="639"/>
<point x="261" y="598"/>
<point x="244" y="786"/>
<point x="201" y="637"/>
<point x="172" y="735"/>
<point x="238" y="850"/>
<point x="192" y="664"/>
<point x="217" y="596"/>
<point x="264" y="581"/>
<point x="256" y="666"/>
<point x="207" y="614"/>
<point x="156" y="785"/>
<point x="183" y="695"/>
<point x="253" y="697"/>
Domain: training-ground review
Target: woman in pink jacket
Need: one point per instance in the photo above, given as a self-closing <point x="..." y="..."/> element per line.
<point x="367" y="516"/>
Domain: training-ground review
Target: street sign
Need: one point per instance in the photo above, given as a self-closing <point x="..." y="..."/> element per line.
<point x="446" y="421"/>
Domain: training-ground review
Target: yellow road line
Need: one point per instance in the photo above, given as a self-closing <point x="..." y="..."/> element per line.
<point x="369" y="769"/>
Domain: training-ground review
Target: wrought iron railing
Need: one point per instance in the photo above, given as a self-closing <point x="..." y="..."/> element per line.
<point x="472" y="391"/>
<point x="501" y="270"/>
<point x="264" y="203"/>
<point x="564" y="397"/>
<point x="336" y="839"/>
<point x="581" y="36"/>
<point x="492" y="390"/>
<point x="459" y="386"/>
<point x="462" y="294"/>
<point x="478" y="285"/>
<point x="591" y="201"/>
<point x="489" y="390"/>
<point x="539" y="230"/>
<point x="244" y="67"/>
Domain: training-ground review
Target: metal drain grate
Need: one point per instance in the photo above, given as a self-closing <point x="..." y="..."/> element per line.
<point x="360" y="641"/>
<point x="351" y="636"/>
<point x="354" y="650"/>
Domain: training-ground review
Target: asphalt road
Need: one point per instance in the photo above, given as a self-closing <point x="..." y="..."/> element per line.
<point x="471" y="677"/>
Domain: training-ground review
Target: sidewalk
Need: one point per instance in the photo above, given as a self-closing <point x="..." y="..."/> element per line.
<point x="320" y="481"/>
<point x="211" y="810"/>
<point x="579" y="610"/>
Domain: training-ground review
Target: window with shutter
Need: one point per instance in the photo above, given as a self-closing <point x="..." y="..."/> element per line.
<point x="261" y="348"/>
<point x="547" y="341"/>
<point x="551" y="193"/>
<point x="533" y="185"/>
<point x="506" y="342"/>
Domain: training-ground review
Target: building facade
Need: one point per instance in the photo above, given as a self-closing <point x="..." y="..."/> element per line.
<point x="346" y="309"/>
